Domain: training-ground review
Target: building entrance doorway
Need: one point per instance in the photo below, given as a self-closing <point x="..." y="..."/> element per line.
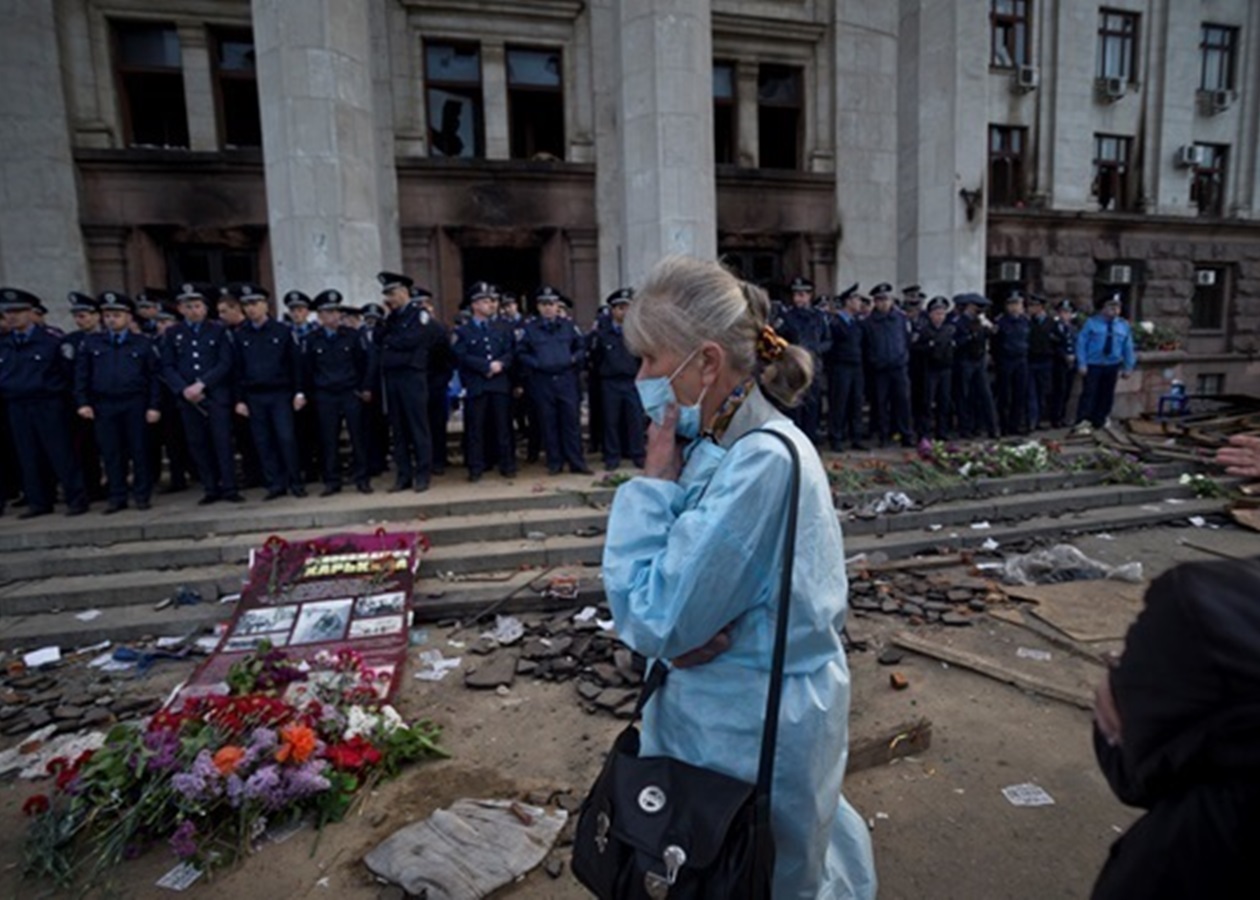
<point x="513" y="269"/>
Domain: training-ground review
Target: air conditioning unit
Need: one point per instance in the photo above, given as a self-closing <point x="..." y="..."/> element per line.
<point x="1027" y="78"/>
<point x="1189" y="156"/>
<point x="1119" y="275"/>
<point x="1010" y="271"/>
<point x="1221" y="100"/>
<point x="1206" y="277"/>
<point x="1111" y="89"/>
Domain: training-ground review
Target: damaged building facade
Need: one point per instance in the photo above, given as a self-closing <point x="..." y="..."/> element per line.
<point x="1072" y="148"/>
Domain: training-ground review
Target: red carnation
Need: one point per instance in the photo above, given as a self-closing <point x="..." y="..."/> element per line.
<point x="36" y="804"/>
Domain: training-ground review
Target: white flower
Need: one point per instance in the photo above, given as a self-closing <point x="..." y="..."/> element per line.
<point x="391" y="720"/>
<point x="1148" y="326"/>
<point x="1185" y="478"/>
<point x="360" y="722"/>
<point x="965" y="469"/>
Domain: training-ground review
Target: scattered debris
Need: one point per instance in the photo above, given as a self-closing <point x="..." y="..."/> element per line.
<point x="1027" y="794"/>
<point x="1029" y="653"/>
<point x="434" y="666"/>
<point x="1063" y="562"/>
<point x="898" y="682"/>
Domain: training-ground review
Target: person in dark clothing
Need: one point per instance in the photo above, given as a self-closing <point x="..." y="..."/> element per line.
<point x="934" y="340"/>
<point x="971" y="345"/>
<point x="1063" y="369"/>
<point x="1010" y="361"/>
<point x="912" y="299"/>
<point x="553" y="353"/>
<point x="1044" y="345"/>
<point x="615" y="368"/>
<point x="87" y="456"/>
<point x="888" y="354"/>
<point x="441" y="367"/>
<point x="845" y="388"/>
<point x="1177" y="733"/>
<point x="804" y="325"/>
<point x="484" y="351"/>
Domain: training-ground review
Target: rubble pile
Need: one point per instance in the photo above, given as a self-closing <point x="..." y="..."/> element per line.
<point x="944" y="598"/>
<point x="39" y="698"/>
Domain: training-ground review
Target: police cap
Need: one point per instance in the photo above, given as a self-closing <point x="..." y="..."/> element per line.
<point x="372" y="311"/>
<point x="480" y="290"/>
<point x="296" y="298"/>
<point x="329" y="299"/>
<point x="1036" y="300"/>
<point x="168" y="312"/>
<point x="248" y="292"/>
<point x="911" y="289"/>
<point x="13" y="299"/>
<point x="1065" y="306"/>
<point x="971" y="299"/>
<point x="881" y="289"/>
<point x="1015" y="297"/>
<point x="391" y="280"/>
<point x="547" y="294"/>
<point x="152" y="296"/>
<point x="911" y="300"/>
<point x="620" y="297"/>
<point x="190" y="290"/>
<point x="80" y="302"/>
<point x="938" y="303"/>
<point x="801" y="284"/>
<point x="420" y="293"/>
<point x="847" y="292"/>
<point x="116" y="301"/>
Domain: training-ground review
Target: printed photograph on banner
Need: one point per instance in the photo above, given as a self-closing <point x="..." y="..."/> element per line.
<point x="266" y="619"/>
<point x="380" y="605"/>
<point x="248" y="643"/>
<point x="322" y="621"/>
<point x="363" y="628"/>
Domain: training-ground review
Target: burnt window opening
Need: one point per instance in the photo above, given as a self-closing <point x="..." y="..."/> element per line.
<point x="150" y="79"/>
<point x="1207" y="187"/>
<point x="1112" y="172"/>
<point x="1006" y="165"/>
<point x="780" y="117"/>
<point x="1008" y="26"/>
<point x="236" y="83"/>
<point x="725" y="136"/>
<point x="535" y="81"/>
<point x="758" y="266"/>
<point x="209" y="264"/>
<point x="1117" y="45"/>
<point x="453" y="97"/>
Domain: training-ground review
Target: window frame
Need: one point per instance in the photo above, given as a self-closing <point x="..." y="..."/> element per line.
<point x="1123" y="189"/>
<point x="1127" y="34"/>
<point x="1228" y="53"/>
<point x="1220" y="301"/>
<point x="1004" y="31"/>
<point x="730" y="103"/>
<point x="512" y="88"/>
<point x="475" y="91"/>
<point x="1215" y="206"/>
<point x="1016" y="194"/>
<point x="219" y="36"/>
<point x="798" y="73"/>
<point x="122" y="69"/>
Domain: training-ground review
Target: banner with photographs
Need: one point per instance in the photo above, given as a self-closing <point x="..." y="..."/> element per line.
<point x="345" y="591"/>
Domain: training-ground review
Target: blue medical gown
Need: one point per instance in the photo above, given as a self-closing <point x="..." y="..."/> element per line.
<point x="681" y="561"/>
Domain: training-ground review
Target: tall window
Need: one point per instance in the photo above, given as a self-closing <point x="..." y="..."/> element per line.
<point x="1008" y="25"/>
<point x="1006" y="165"/>
<point x="1207" y="306"/>
<point x="210" y="264"/>
<point x="1207" y="189"/>
<point x="779" y="117"/>
<point x="453" y="76"/>
<point x="237" y="84"/>
<point x="725" y="145"/>
<point x="1117" y="45"/>
<point x="762" y="266"/>
<point x="535" y="103"/>
<point x="1112" y="171"/>
<point x="150" y="84"/>
<point x="1218" y="48"/>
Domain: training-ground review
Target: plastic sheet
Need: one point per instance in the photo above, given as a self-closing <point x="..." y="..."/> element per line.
<point x="1061" y="563"/>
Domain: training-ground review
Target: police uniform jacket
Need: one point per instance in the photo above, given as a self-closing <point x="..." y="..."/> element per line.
<point x="76" y="339"/>
<point x="887" y="339"/>
<point x="340" y="361"/>
<point x="551" y="347"/>
<point x="611" y="356"/>
<point x="1045" y="339"/>
<point x="936" y="345"/>
<point x="807" y="327"/>
<point x="476" y="345"/>
<point x="406" y="338"/>
<point x="847" y="341"/>
<point x="1010" y="341"/>
<point x="267" y="358"/>
<point x="971" y="338"/>
<point x="107" y="370"/>
<point x="200" y="354"/>
<point x="39" y="368"/>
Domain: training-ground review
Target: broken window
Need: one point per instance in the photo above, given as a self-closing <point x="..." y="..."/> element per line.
<point x="150" y="84"/>
<point x="535" y="103"/>
<point x="453" y="91"/>
<point x="210" y="264"/>
<point x="725" y="138"/>
<point x="779" y="117"/>
<point x="240" y="123"/>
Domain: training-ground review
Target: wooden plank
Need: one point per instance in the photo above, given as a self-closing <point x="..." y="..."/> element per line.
<point x="907" y="739"/>
<point x="996" y="671"/>
<point x="1086" y="611"/>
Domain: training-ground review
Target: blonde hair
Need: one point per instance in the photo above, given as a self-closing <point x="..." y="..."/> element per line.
<point x="686" y="301"/>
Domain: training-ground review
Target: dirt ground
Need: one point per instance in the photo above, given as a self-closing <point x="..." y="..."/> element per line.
<point x="942" y="829"/>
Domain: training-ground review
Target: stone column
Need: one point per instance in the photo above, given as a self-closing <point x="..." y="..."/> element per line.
<point x="942" y="145"/>
<point x="494" y="100"/>
<point x="41" y="246"/>
<point x="194" y="54"/>
<point x="668" y="195"/>
<point x="320" y="148"/>
<point x="746" y="114"/>
<point x="605" y="49"/>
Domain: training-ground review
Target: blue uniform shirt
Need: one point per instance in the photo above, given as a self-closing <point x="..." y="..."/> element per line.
<point x="847" y="340"/>
<point x="405" y="338"/>
<point x="1010" y="342"/>
<point x="1091" y="344"/>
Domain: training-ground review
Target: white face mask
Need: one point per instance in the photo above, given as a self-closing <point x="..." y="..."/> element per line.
<point x="658" y="393"/>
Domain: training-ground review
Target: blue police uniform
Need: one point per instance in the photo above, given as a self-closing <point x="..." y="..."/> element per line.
<point x="306" y="420"/>
<point x="338" y="368"/>
<point x="268" y="376"/>
<point x="487" y="398"/>
<point x="888" y="355"/>
<point x="975" y="398"/>
<point x="1010" y="358"/>
<point x="1104" y="349"/>
<point x="406" y="338"/>
<point x="203" y="353"/>
<point x="553" y="353"/>
<point x="35" y="379"/>
<point x="807" y="328"/>
<point x="845" y="388"/>
<point x="615" y="368"/>
<point x="116" y="375"/>
<point x="87" y="455"/>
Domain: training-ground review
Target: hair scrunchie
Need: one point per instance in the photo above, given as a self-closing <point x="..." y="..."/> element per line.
<point x="769" y="345"/>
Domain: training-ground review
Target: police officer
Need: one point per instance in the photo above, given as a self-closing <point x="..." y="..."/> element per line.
<point x="1010" y="360"/>
<point x="299" y="308"/>
<point x="197" y="367"/>
<point x="87" y="321"/>
<point x="336" y="364"/>
<point x="269" y="391"/>
<point x="168" y="435"/>
<point x="615" y="368"/>
<point x="971" y="353"/>
<point x="888" y="352"/>
<point x="484" y="352"/>
<point x="375" y="422"/>
<point x="1063" y="371"/>
<point x="935" y="340"/>
<point x="441" y="367"/>
<point x="553" y="353"/>
<point x="524" y="418"/>
<point x="36" y="372"/>
<point x="1044" y="344"/>
<point x="305" y="420"/>
<point x="116" y="387"/>
<point x="1104" y="352"/>
<point x="912" y="305"/>
<point x="406" y="339"/>
<point x="845" y="386"/>
<point x="807" y="327"/>
<point x="148" y="304"/>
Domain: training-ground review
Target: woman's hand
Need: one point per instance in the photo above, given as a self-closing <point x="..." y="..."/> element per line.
<point x="663" y="458"/>
<point x="1242" y="456"/>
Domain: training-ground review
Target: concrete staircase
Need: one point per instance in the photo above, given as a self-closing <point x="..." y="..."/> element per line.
<point x="494" y="544"/>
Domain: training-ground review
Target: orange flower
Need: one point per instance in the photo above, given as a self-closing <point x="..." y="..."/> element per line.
<point x="227" y="759"/>
<point x="297" y="742"/>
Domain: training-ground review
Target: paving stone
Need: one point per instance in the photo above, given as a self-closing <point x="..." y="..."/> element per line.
<point x="607" y="674"/>
<point x="37" y="718"/>
<point x="890" y="656"/>
<point x="483" y="646"/>
<point x="589" y="690"/>
<point x="911" y="609"/>
<point x="978" y="605"/>
<point x="890" y="606"/>
<point x="958" y="595"/>
<point x="96" y="716"/>
<point x="954" y="618"/>
<point x="540" y="648"/>
<point x="936" y="606"/>
<point x="66" y="711"/>
<point x="565" y="666"/>
<point x="616" y="698"/>
<point x="44" y="698"/>
<point x="499" y="669"/>
<point x="526" y="667"/>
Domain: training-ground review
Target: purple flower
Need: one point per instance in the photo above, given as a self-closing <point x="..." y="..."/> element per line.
<point x="184" y="840"/>
<point x="163" y="747"/>
<point x="263" y="739"/>
<point x="235" y="789"/>
<point x="265" y="785"/>
<point x="191" y="785"/>
<point x="305" y="781"/>
<point x="204" y="766"/>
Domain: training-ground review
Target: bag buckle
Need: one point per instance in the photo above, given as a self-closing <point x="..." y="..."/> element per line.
<point x="602" y="826"/>
<point x="657" y="886"/>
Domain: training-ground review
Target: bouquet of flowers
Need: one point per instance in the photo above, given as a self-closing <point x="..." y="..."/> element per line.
<point x="210" y="774"/>
<point x="1204" y="486"/>
<point x="992" y="460"/>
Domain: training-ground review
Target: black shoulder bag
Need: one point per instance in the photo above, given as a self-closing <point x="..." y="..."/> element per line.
<point x="655" y="827"/>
